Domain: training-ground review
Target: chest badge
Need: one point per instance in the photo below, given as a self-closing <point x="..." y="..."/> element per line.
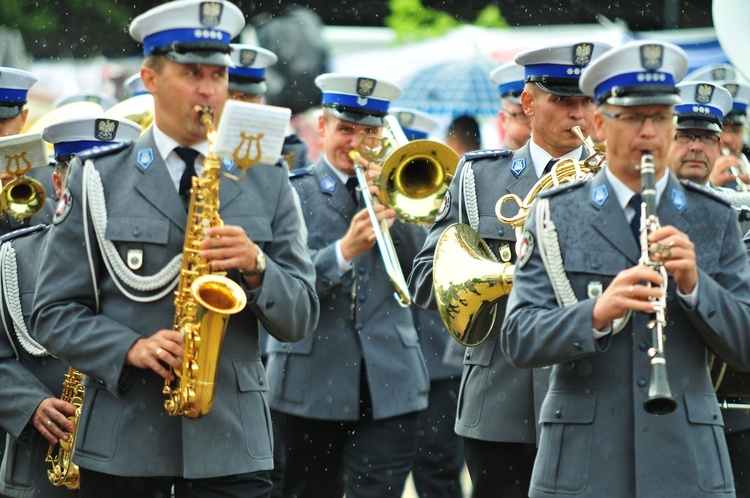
<point x="594" y="289"/>
<point x="135" y="259"/>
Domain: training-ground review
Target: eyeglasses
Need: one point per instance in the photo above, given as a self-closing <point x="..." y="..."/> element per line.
<point x="520" y="117"/>
<point x="638" y="120"/>
<point x="689" y="139"/>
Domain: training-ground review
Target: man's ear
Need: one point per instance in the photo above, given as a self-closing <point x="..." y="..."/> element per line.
<point x="322" y="126"/>
<point x="148" y="75"/>
<point x="599" y="126"/>
<point x="527" y="102"/>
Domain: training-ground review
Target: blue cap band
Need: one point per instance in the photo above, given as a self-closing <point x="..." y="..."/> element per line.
<point x="68" y="148"/>
<point x="352" y="101"/>
<point x="633" y="80"/>
<point x="553" y="71"/>
<point x="510" y="87"/>
<point x="739" y="106"/>
<point x="12" y="95"/>
<point x="690" y="108"/>
<point x="165" y="38"/>
<point x="248" y="72"/>
<point x="414" y="134"/>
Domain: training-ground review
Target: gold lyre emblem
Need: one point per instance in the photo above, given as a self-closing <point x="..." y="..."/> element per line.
<point x="246" y="145"/>
<point x="372" y="148"/>
<point x="14" y="166"/>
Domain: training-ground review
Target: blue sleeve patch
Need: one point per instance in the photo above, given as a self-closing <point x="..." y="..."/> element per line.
<point x="145" y="158"/>
<point x="518" y="166"/>
<point x="599" y="195"/>
<point x="678" y="199"/>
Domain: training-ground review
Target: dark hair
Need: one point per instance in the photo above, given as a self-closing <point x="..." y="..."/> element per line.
<point x="466" y="129"/>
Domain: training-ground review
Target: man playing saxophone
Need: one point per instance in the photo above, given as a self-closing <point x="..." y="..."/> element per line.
<point x="121" y="245"/>
<point x="582" y="304"/>
<point x="30" y="406"/>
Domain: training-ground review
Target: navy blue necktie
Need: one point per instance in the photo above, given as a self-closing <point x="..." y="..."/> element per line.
<point x="549" y="165"/>
<point x="188" y="156"/>
<point x="635" y="223"/>
<point x="351" y="186"/>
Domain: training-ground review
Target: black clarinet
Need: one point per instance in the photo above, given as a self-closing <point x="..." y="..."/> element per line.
<point x="660" y="400"/>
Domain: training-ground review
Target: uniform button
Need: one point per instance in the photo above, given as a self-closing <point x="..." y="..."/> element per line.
<point x="715" y="416"/>
<point x="577" y="345"/>
<point x="711" y="313"/>
<point x="260" y="381"/>
<point x="358" y="327"/>
<point x="558" y="413"/>
<point x="501" y="232"/>
<point x="362" y="298"/>
<point x="643" y="345"/>
<point x="270" y="304"/>
<point x="326" y="282"/>
<point x="596" y="265"/>
<point x="642" y="382"/>
<point x="136" y="233"/>
<point x="362" y="270"/>
<point x="468" y="356"/>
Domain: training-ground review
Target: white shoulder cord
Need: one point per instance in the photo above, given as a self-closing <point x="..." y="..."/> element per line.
<point x="168" y="276"/>
<point x="13" y="302"/>
<point x="549" y="250"/>
<point x="469" y="189"/>
<point x="302" y="225"/>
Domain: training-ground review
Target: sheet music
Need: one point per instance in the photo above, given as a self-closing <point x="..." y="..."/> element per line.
<point x="22" y="152"/>
<point x="244" y="127"/>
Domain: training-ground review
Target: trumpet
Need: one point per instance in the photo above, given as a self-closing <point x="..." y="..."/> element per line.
<point x="742" y="169"/>
<point x="660" y="400"/>
<point x="23" y="196"/>
<point x="413" y="181"/>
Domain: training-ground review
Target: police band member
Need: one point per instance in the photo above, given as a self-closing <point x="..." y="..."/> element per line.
<point x="596" y="437"/>
<point x="496" y="407"/>
<point x="247" y="83"/>
<point x="515" y="125"/>
<point x="349" y="395"/>
<point x="440" y="457"/>
<point x="697" y="141"/>
<point x="14" y="89"/>
<point x="113" y="318"/>
<point x="30" y="408"/>
<point x="730" y="169"/>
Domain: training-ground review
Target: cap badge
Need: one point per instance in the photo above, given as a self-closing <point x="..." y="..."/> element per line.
<point x="582" y="54"/>
<point x="704" y="93"/>
<point x="106" y="130"/>
<point x="210" y="14"/>
<point x="247" y="57"/>
<point x="719" y="73"/>
<point x="405" y="119"/>
<point x="732" y="88"/>
<point x="365" y="88"/>
<point x="652" y="56"/>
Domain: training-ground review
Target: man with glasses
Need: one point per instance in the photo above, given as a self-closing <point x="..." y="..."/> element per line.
<point x="582" y="303"/>
<point x="515" y="125"/>
<point x="496" y="406"/>
<point x="697" y="142"/>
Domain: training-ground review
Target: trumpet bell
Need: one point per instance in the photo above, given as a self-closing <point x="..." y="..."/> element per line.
<point x="468" y="282"/>
<point x="22" y="198"/>
<point x="415" y="178"/>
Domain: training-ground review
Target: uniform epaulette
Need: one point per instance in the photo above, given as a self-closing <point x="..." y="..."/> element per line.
<point x="103" y="150"/>
<point x="299" y="172"/>
<point x="709" y="192"/>
<point x="484" y="154"/>
<point x="562" y="188"/>
<point x="21" y="232"/>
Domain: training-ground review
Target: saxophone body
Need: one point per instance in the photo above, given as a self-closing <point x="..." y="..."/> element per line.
<point x="204" y="299"/>
<point x="64" y="472"/>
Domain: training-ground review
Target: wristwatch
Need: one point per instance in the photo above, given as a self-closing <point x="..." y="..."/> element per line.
<point x="260" y="264"/>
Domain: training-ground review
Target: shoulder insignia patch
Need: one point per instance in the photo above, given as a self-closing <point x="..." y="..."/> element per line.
<point x="518" y="166"/>
<point x="102" y="151"/>
<point x="708" y="192"/>
<point x="525" y="249"/>
<point x="328" y="184"/>
<point x="228" y="163"/>
<point x="599" y="195"/>
<point x="145" y="158"/>
<point x="63" y="207"/>
<point x="678" y="199"/>
<point x="299" y="172"/>
<point x="483" y="154"/>
<point x="562" y="188"/>
<point x="445" y="207"/>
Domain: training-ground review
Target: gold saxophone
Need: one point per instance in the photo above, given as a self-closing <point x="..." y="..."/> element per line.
<point x="204" y="299"/>
<point x="64" y="472"/>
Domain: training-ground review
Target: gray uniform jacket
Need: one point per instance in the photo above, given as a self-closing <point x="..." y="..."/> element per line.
<point x="27" y="381"/>
<point x="124" y="427"/>
<point x="319" y="377"/>
<point x="496" y="401"/>
<point x="596" y="438"/>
